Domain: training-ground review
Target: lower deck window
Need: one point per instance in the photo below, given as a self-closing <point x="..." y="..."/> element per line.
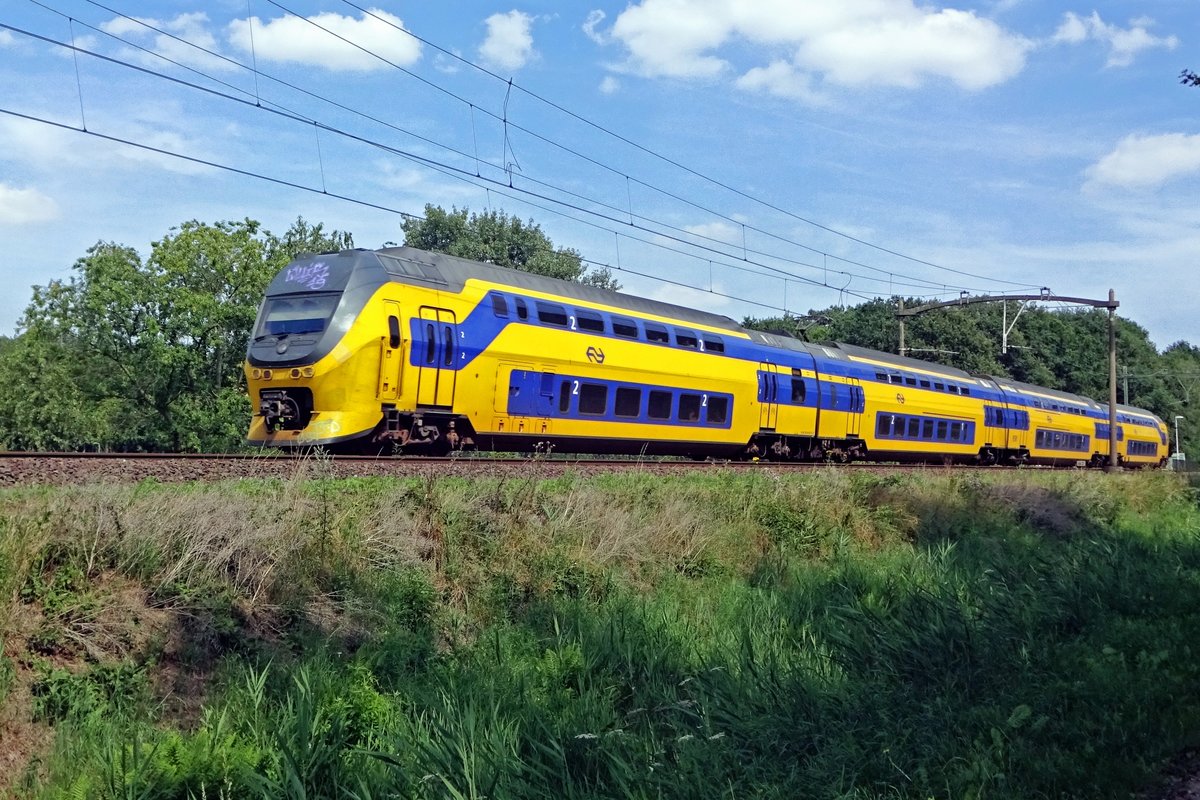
<point x="689" y="407"/>
<point x="718" y="410"/>
<point x="660" y="405"/>
<point x="593" y="398"/>
<point x="628" y="402"/>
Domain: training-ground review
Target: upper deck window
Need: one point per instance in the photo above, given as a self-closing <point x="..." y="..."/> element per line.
<point x="552" y="314"/>
<point x="685" y="338"/>
<point x="499" y="305"/>
<point x="589" y="321"/>
<point x="657" y="333"/>
<point x="623" y="326"/>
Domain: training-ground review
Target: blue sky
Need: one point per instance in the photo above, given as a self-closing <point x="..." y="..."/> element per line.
<point x="768" y="154"/>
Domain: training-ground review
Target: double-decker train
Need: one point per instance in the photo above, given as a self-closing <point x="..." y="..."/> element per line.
<point x="403" y="350"/>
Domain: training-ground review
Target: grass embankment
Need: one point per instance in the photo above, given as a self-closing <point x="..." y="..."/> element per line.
<point x="1017" y="635"/>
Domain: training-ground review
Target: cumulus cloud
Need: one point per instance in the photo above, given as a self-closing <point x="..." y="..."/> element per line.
<point x="185" y="39"/>
<point x="25" y="206"/>
<point x="851" y="43"/>
<point x="1140" y="162"/>
<point x="609" y="85"/>
<point x="1124" y="43"/>
<point x="324" y="40"/>
<point x="783" y="80"/>
<point x="509" y="41"/>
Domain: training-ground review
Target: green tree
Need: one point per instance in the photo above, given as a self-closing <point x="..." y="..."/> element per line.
<point x="496" y="238"/>
<point x="133" y="354"/>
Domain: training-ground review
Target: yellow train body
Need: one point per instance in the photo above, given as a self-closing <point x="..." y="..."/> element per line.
<point x="400" y="348"/>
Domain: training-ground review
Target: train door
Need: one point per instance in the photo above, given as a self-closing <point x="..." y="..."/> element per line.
<point x="391" y="359"/>
<point x="856" y="404"/>
<point x="768" y="396"/>
<point x="439" y="351"/>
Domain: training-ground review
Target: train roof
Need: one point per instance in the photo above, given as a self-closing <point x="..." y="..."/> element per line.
<point x="455" y="272"/>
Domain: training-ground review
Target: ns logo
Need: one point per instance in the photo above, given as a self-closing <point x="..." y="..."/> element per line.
<point x="595" y="355"/>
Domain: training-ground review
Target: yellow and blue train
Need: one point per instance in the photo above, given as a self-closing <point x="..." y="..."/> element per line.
<point x="406" y="350"/>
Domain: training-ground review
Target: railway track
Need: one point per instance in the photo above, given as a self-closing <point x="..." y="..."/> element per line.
<point x="29" y="468"/>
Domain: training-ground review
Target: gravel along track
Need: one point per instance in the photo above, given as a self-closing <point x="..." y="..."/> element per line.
<point x="73" y="468"/>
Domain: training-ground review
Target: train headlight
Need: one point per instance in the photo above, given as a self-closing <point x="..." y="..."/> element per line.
<point x="266" y="374"/>
<point x="295" y="373"/>
<point x="308" y="372"/>
<point x="256" y="373"/>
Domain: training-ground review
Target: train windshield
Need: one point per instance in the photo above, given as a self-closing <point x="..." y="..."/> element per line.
<point x="297" y="314"/>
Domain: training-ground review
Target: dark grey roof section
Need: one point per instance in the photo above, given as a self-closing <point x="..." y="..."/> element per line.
<point x="902" y="362"/>
<point x="1061" y="395"/>
<point x="455" y="272"/>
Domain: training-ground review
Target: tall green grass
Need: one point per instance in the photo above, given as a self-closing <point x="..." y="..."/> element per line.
<point x="837" y="635"/>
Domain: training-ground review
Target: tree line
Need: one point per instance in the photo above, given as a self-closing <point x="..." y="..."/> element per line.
<point x="133" y="353"/>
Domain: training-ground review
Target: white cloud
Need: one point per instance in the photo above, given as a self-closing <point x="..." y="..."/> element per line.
<point x="7" y="39"/>
<point x="184" y="39"/>
<point x="718" y="231"/>
<point x="1124" y="43"/>
<point x="609" y="85"/>
<point x="56" y="151"/>
<point x="850" y="43"/>
<point x="509" y="42"/>
<point x="25" y="206"/>
<point x="594" y="18"/>
<point x="783" y="80"/>
<point x="316" y="41"/>
<point x="1147" y="161"/>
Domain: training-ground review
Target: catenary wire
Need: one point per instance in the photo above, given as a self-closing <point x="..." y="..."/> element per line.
<point x="497" y="185"/>
<point x="911" y="282"/>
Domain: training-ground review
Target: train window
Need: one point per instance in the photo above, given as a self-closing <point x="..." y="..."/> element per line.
<point x="393" y="332"/>
<point x="522" y="309"/>
<point x="686" y="339"/>
<point x="941" y="387"/>
<point x="897" y="379"/>
<point x="941" y="430"/>
<point x="593" y="398"/>
<point x="925" y="383"/>
<point x="914" y="428"/>
<point x="881" y="376"/>
<point x="564" y="396"/>
<point x="952" y="388"/>
<point x="430" y="343"/>
<point x="589" y="321"/>
<point x="659" y="406"/>
<point x="927" y="429"/>
<point x="623" y="326"/>
<point x="909" y="381"/>
<point x="448" y="345"/>
<point x="966" y="390"/>
<point x="714" y="344"/>
<point x="799" y="390"/>
<point x="956" y="431"/>
<point x="718" y="410"/>
<point x="883" y="426"/>
<point x="499" y="305"/>
<point x="657" y="333"/>
<point x="689" y="407"/>
<point x="628" y="402"/>
<point x="552" y="314"/>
